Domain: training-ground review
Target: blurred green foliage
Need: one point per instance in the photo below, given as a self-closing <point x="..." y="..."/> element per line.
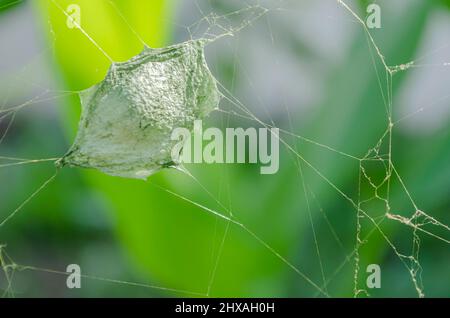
<point x="7" y="4"/>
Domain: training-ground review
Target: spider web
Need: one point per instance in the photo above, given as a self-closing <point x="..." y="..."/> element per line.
<point x="370" y="201"/>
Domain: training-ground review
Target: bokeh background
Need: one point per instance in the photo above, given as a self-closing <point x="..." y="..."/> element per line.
<point x="305" y="66"/>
